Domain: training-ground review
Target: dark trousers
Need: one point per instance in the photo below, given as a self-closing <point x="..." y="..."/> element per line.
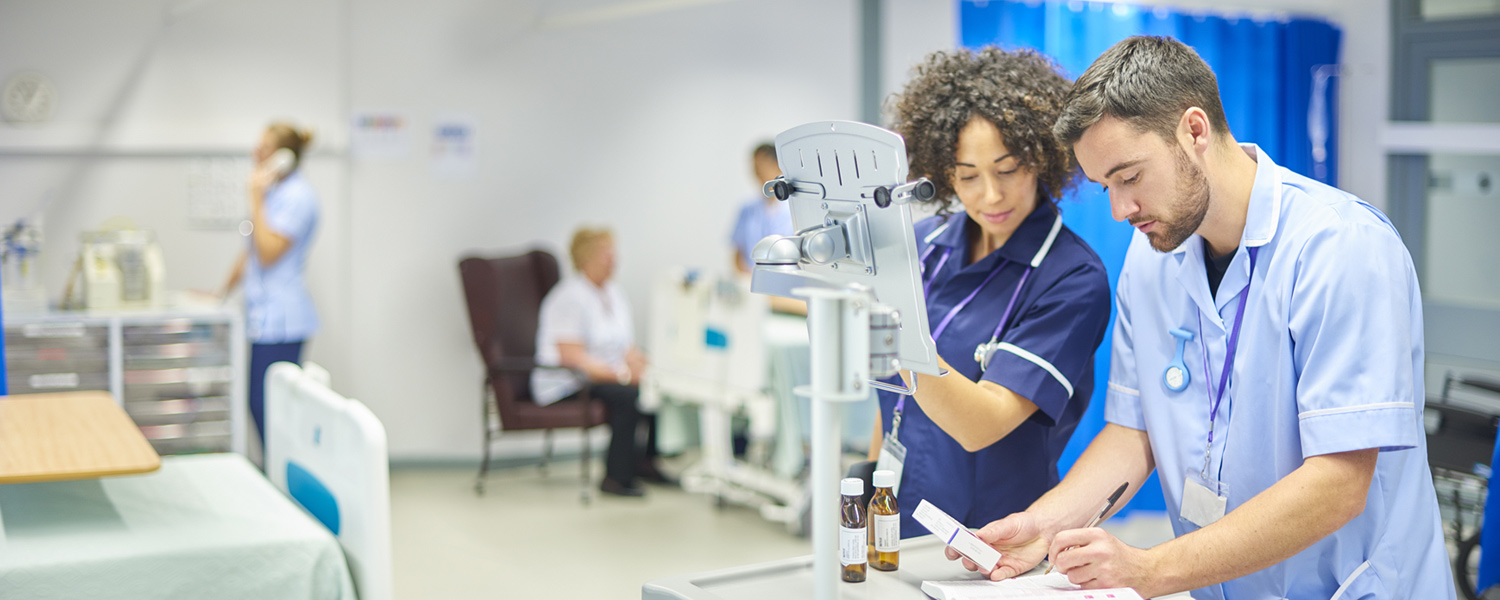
<point x="625" y="452"/>
<point x="261" y="357"/>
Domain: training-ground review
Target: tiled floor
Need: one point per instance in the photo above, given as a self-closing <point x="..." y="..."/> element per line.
<point x="530" y="537"/>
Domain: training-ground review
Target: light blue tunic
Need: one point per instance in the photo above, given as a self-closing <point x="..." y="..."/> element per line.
<point x="278" y="308"/>
<point x="755" y="221"/>
<point x="1329" y="360"/>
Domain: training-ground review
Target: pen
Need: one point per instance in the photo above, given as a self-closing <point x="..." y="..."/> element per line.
<point x="1108" y="504"/>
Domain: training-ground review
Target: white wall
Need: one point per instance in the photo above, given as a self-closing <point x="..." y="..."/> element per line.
<point x="911" y="30"/>
<point x="633" y="113"/>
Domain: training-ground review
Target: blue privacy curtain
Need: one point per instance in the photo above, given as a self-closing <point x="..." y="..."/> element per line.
<point x="1275" y="78"/>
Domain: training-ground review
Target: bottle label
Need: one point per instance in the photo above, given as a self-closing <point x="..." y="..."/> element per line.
<point x="887" y="532"/>
<point x="853" y="546"/>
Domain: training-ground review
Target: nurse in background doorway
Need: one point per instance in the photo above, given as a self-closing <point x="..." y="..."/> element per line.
<point x="279" y="312"/>
<point x="759" y="217"/>
<point x="1018" y="303"/>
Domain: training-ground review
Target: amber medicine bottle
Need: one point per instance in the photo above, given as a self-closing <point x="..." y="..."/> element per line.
<point x="885" y="524"/>
<point x="852" y="544"/>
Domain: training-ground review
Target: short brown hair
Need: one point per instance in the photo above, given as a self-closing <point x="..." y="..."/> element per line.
<point x="1020" y="91"/>
<point x="764" y="151"/>
<point x="1146" y="81"/>
<point x="584" y="242"/>
<point x="287" y="135"/>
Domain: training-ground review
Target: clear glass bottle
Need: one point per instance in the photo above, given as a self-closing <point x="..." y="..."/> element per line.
<point x="853" y="555"/>
<point x="885" y="524"/>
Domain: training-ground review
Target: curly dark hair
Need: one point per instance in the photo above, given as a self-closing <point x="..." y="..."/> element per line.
<point x="1020" y="91"/>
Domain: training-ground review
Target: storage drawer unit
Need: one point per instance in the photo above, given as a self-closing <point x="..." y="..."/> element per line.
<point x="58" y="356"/>
<point x="179" y="374"/>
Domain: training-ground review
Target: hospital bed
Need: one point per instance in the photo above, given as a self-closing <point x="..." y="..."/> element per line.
<point x="708" y="350"/>
<point x="328" y="453"/>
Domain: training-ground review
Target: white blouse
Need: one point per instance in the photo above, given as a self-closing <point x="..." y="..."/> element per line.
<point x="577" y="311"/>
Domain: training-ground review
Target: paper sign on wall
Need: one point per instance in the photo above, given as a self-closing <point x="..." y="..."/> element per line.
<point x="454" y="146"/>
<point x="380" y="134"/>
<point x="216" y="192"/>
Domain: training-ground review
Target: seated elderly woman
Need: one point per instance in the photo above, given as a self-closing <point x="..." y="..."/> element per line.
<point x="585" y="325"/>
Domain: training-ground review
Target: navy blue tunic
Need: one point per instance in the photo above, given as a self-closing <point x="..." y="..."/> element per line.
<point x="1046" y="356"/>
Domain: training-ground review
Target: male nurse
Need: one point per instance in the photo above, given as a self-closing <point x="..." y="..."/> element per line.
<point x="1267" y="363"/>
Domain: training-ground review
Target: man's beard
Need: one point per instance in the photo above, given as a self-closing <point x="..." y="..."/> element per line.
<point x="1190" y="206"/>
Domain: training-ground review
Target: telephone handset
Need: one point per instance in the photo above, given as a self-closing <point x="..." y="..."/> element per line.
<point x="281" y="162"/>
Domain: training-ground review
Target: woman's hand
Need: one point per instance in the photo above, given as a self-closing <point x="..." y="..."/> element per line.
<point x="261" y="179"/>
<point x="206" y="296"/>
<point x="635" y="360"/>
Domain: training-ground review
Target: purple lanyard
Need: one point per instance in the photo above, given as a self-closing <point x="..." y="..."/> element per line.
<point x="953" y="312"/>
<point x="927" y="288"/>
<point x="1234" y="339"/>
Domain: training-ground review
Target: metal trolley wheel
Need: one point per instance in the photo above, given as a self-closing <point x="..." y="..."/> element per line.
<point x="1461" y="567"/>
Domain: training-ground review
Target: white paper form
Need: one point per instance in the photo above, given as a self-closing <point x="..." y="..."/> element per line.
<point x="1053" y="586"/>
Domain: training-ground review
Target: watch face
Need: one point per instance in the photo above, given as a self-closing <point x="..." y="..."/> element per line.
<point x="1174" y="378"/>
<point x="27" y="97"/>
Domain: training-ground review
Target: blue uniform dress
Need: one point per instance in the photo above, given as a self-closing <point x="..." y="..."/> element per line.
<point x="279" y="313"/>
<point x="755" y="221"/>
<point x="1329" y="359"/>
<point x="1046" y="356"/>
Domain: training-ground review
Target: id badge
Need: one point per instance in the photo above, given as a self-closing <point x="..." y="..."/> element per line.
<point x="892" y="458"/>
<point x="1201" y="504"/>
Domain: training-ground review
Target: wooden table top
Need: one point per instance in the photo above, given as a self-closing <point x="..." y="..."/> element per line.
<point x="74" y="435"/>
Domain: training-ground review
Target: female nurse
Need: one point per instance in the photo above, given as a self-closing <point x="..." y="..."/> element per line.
<point x="1017" y="302"/>
<point x="279" y="312"/>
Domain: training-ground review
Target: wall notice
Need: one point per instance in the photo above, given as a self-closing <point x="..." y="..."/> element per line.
<point x="454" y="146"/>
<point x="216" y="192"/>
<point x="379" y="135"/>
